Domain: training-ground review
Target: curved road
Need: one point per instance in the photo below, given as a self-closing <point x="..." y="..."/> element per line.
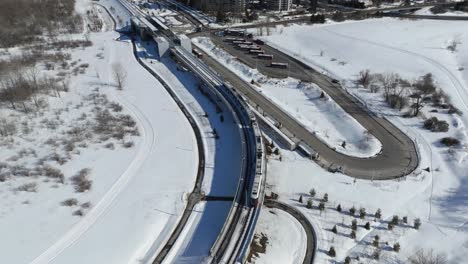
<point x="399" y="155"/>
<point x="310" y="233"/>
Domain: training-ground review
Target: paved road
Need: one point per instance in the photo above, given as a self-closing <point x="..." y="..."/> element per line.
<point x="310" y="233"/>
<point x="398" y="156"/>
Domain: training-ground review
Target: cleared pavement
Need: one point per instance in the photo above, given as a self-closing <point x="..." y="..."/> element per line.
<point x="399" y="155"/>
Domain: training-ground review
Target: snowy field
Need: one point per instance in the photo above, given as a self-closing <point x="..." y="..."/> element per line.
<point x="285" y="238"/>
<point x="137" y="194"/>
<point x="410" y="49"/>
<point x="302" y="101"/>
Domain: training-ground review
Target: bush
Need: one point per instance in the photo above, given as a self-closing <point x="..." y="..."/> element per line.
<point x="54" y="173"/>
<point x="78" y="213"/>
<point x="70" y="202"/>
<point x="396" y="247"/>
<point x="427" y="257"/>
<point x="435" y="125"/>
<point x="338" y="208"/>
<point x="86" y="205"/>
<point x="28" y="187"/>
<point x="81" y="181"/>
<point x="332" y="252"/>
<point x="450" y="141"/>
<point x="128" y="144"/>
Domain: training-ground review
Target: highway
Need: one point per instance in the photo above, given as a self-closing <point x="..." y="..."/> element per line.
<point x="302" y="219"/>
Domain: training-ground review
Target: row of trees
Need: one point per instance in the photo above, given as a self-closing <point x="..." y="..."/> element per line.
<point x="21" y="87"/>
<point x="400" y="93"/>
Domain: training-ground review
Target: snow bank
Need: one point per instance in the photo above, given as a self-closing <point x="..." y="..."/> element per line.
<point x="321" y="116"/>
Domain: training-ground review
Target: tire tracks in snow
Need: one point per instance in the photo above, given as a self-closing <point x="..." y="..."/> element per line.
<point x="146" y="147"/>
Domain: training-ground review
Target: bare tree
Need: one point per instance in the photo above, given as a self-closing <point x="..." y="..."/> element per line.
<point x="389" y="82"/>
<point x="427" y="257"/>
<point x="120" y="75"/>
<point x="364" y="78"/>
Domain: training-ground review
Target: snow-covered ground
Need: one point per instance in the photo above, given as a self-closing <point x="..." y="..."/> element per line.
<point x="137" y="194"/>
<point x="302" y="101"/>
<point x="284" y="238"/>
<point x="411" y="49"/>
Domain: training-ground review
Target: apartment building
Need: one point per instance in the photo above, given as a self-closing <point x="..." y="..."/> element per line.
<point x="279" y="5"/>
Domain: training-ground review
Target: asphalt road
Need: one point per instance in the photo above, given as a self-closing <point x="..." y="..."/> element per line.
<point x="310" y="233"/>
<point x="399" y="154"/>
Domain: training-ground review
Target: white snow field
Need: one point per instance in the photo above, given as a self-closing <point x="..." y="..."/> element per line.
<point x="137" y="194"/>
<point x="302" y="101"/>
<point x="285" y="235"/>
<point x="411" y="49"/>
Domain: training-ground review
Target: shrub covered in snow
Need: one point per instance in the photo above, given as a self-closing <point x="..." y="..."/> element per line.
<point x="81" y="182"/>
<point x="436" y="125"/>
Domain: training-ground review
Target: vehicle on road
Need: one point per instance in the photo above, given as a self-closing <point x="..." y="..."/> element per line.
<point x="279" y="65"/>
<point x="265" y="56"/>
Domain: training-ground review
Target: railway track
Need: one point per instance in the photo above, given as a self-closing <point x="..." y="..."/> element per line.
<point x="243" y="215"/>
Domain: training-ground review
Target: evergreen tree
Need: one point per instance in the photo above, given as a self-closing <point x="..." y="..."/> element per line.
<point x="390" y="226"/>
<point x="405" y="219"/>
<point x="396" y="247"/>
<point x="325" y="197"/>
<point x="334" y="229"/>
<point x="338" y="208"/>
<point x="332" y="252"/>
<point x="378" y="214"/>
<point x="395" y="220"/>
<point x="322" y="206"/>
<point x="354" y="225"/>
<point x="375" y="243"/>
<point x="347" y="260"/>
<point x="417" y="223"/>
<point x="353" y="234"/>
<point x="352" y="211"/>
<point x="312" y="192"/>
<point x="376" y="254"/>
<point x="300" y="199"/>
<point x="362" y="213"/>
<point x="309" y="203"/>
<point x="367" y="226"/>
